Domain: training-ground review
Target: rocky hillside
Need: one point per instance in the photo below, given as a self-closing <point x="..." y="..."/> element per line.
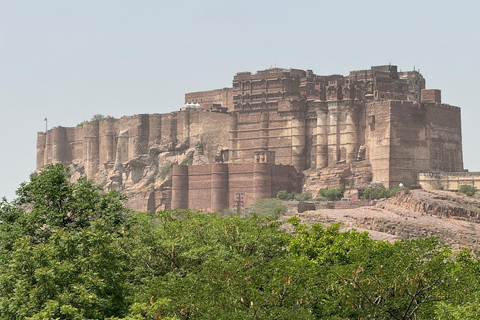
<point x="451" y="217"/>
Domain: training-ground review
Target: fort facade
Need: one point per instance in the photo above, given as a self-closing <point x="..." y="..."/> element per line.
<point x="378" y="116"/>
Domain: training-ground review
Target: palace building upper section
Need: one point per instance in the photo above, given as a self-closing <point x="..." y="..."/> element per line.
<point x="263" y="89"/>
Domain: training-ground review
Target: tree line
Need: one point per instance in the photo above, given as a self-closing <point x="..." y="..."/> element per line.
<point x="70" y="251"/>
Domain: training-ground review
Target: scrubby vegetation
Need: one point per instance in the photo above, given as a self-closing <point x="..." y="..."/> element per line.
<point x="97" y="117"/>
<point x="166" y="170"/>
<point x="332" y="194"/>
<point x="188" y="161"/>
<point x="377" y="193"/>
<point x="68" y="251"/>
<point x="304" y="196"/>
<point x="468" y="190"/>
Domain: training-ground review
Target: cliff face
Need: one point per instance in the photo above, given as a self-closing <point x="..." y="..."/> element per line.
<point x="135" y="154"/>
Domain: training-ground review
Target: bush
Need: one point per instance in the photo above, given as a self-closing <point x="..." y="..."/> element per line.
<point x="305" y="196"/>
<point x="468" y="190"/>
<point x="371" y="193"/>
<point x="332" y="194"/>
<point x="284" y="195"/>
<point x="269" y="206"/>
<point x="101" y="117"/>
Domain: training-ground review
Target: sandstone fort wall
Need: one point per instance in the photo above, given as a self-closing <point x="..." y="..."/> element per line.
<point x="116" y="141"/>
<point x="215" y="187"/>
<point x="379" y="116"/>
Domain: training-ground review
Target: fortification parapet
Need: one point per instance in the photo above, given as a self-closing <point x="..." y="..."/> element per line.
<point x="140" y="140"/>
<point x="155" y="126"/>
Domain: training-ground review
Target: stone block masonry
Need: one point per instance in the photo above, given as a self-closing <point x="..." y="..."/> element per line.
<point x="382" y="117"/>
<point x="215" y="187"/>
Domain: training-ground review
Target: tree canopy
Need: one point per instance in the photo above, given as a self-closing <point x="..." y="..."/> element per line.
<point x="70" y="251"/>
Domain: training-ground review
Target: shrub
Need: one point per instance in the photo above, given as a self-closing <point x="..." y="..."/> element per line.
<point x="101" y="117"/>
<point x="305" y="196"/>
<point x="332" y="194"/>
<point x="284" y="195"/>
<point x="468" y="190"/>
<point x="371" y="193"/>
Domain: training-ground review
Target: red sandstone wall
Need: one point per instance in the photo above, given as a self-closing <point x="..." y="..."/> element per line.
<point x="214" y="187"/>
<point x="199" y="187"/>
<point x="431" y="95"/>
<point x="207" y="99"/>
<point x="409" y="146"/>
<point x="119" y="140"/>
<point x="445" y="137"/>
<point x="377" y="136"/>
<point x="240" y="182"/>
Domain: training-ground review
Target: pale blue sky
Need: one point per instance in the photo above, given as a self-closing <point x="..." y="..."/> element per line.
<point x="68" y="60"/>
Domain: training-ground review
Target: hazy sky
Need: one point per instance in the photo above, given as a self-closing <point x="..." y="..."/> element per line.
<point x="68" y="60"/>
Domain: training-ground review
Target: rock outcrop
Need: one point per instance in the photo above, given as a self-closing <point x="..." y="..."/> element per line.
<point x="356" y="175"/>
<point x="440" y="203"/>
<point x="442" y="214"/>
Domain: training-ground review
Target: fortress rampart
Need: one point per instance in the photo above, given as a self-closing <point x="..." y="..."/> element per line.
<point x="380" y="116"/>
<point x="116" y="141"/>
<point x="215" y="187"/>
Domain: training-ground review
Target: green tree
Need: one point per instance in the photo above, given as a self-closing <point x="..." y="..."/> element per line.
<point x="332" y="194"/>
<point x="69" y="251"/>
<point x="101" y="117"/>
<point x="61" y="250"/>
<point x="220" y="268"/>
<point x="404" y="280"/>
<point x="304" y="196"/>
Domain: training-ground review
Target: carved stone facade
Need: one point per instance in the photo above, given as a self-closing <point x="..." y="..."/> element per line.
<point x="378" y="116"/>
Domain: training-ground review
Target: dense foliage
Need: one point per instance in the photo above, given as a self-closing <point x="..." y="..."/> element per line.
<point x="332" y="194"/>
<point x="68" y="251"/>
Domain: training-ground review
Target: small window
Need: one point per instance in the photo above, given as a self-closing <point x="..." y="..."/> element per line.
<point x="371" y="122"/>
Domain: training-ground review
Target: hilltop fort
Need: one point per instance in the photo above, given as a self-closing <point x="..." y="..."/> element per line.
<point x="276" y="129"/>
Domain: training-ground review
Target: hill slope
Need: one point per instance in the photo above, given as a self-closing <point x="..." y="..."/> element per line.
<point x="451" y="217"/>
